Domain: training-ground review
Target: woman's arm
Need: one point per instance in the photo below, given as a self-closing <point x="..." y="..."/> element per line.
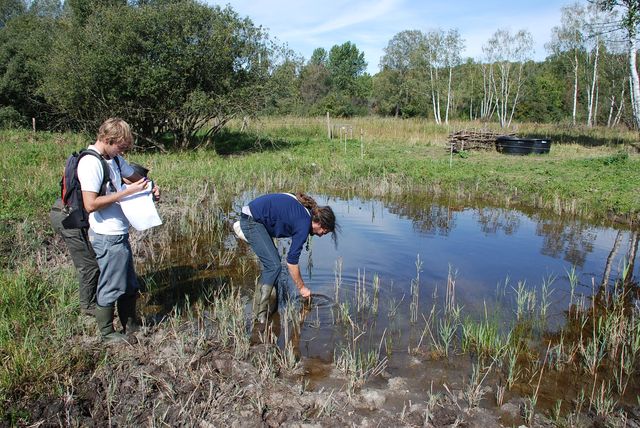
<point x="294" y="271"/>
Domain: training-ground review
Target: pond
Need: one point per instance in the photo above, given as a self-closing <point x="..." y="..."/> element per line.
<point x="403" y="265"/>
<point x="487" y="253"/>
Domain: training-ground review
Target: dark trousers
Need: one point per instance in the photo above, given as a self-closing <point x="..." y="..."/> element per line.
<point x="83" y="257"/>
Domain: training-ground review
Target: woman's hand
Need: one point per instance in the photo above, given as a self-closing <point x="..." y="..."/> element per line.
<point x="305" y="292"/>
<point x="294" y="271"/>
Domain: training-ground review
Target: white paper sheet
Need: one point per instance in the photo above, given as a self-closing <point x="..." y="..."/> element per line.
<point x="140" y="210"/>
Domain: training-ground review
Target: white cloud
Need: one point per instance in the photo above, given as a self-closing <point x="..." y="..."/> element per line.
<point x="354" y="14"/>
<point x="306" y="25"/>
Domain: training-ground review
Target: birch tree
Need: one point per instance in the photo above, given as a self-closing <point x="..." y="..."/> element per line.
<point x="488" y="103"/>
<point x="454" y="45"/>
<point x="434" y="62"/>
<point x="629" y="23"/>
<point x="505" y="55"/>
<point x="569" y="38"/>
<point x="442" y="55"/>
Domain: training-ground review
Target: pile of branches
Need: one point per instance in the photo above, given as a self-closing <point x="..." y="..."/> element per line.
<point x="472" y="140"/>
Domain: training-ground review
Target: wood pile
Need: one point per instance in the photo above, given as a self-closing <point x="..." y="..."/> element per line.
<point x="473" y="140"/>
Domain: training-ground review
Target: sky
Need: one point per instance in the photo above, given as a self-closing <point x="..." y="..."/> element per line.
<point x="370" y="24"/>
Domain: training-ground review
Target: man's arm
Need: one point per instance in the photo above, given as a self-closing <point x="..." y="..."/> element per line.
<point x="92" y="202"/>
<point x="294" y="271"/>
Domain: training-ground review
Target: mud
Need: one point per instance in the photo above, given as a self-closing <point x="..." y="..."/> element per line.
<point x="169" y="375"/>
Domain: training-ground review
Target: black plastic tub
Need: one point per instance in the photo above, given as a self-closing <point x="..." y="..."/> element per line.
<point x="522" y="146"/>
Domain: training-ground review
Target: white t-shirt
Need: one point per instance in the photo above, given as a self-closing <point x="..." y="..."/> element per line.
<point x="109" y="220"/>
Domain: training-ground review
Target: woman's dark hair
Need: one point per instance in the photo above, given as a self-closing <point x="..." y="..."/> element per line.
<point x="320" y="214"/>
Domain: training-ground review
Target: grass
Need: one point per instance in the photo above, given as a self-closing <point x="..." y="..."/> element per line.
<point x="593" y="173"/>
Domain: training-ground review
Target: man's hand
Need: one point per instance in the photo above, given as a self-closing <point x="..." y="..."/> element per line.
<point x="156" y="192"/>
<point x="135" y="187"/>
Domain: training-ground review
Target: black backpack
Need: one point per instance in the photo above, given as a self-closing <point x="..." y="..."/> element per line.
<point x="71" y="193"/>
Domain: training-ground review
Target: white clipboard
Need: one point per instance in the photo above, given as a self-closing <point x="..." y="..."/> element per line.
<point x="140" y="210"/>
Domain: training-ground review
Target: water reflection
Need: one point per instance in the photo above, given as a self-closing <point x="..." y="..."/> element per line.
<point x="399" y="261"/>
<point x="489" y="252"/>
<point x="484" y="247"/>
<point x="571" y="241"/>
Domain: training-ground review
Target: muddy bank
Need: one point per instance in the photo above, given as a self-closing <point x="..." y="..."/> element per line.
<point x="173" y="374"/>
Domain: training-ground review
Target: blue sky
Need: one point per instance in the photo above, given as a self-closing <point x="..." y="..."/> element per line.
<point x="370" y="24"/>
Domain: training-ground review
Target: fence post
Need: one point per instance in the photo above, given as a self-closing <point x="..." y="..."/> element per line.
<point x="328" y="127"/>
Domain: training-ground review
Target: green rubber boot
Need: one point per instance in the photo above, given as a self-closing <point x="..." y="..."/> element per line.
<point x="263" y="310"/>
<point x="127" y="313"/>
<point x="104" y="317"/>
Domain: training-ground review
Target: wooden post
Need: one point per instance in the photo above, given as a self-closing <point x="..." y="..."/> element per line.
<point x="361" y="143"/>
<point x="328" y="127"/>
<point x="33" y="123"/>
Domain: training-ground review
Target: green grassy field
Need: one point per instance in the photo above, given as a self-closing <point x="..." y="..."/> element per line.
<point x="593" y="173"/>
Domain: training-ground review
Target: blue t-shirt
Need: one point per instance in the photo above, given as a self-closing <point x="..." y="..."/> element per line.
<point x="284" y="217"/>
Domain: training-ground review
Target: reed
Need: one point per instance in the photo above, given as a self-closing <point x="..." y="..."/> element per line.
<point x="338" y="279"/>
<point x="376" y="295"/>
<point x="474" y="391"/>
<point x="357" y="362"/>
<point x="363" y="298"/>
<point x="287" y="358"/>
<point x="415" y="293"/>
<point x="484" y="338"/>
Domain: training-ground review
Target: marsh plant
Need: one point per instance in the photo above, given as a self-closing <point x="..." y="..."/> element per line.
<point x="358" y="365"/>
<point x="484" y="337"/>
<point x="415" y="293"/>
<point x="376" y="295"/>
<point x="293" y="319"/>
<point x="338" y="279"/>
<point x="362" y="294"/>
<point x="229" y="321"/>
<point x="525" y="301"/>
<point x="356" y="359"/>
<point x="474" y="391"/>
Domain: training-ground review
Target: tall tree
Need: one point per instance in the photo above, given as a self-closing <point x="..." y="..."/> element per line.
<point x="282" y="91"/>
<point x="176" y="68"/>
<point x="319" y="57"/>
<point x="453" y="47"/>
<point x="442" y="55"/>
<point x="568" y="39"/>
<point x="25" y="43"/>
<point x="345" y="64"/>
<point x="403" y="70"/>
<point x="630" y="20"/>
<point x="10" y="9"/>
<point x="504" y="52"/>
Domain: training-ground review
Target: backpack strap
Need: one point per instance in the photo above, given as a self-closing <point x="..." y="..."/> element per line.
<point x="117" y="161"/>
<point x="106" y="176"/>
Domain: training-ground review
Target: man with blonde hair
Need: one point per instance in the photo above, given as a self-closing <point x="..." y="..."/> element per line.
<point x="117" y="283"/>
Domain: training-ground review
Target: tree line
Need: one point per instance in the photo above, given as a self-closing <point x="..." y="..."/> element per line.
<point x="179" y="70"/>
